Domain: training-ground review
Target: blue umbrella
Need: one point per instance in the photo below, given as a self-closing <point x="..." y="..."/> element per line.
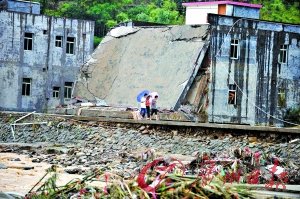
<point x="141" y="94"/>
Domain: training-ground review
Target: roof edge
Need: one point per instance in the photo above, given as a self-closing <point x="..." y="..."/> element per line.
<point x="49" y="16"/>
<point x="260" y="20"/>
<point x="251" y="5"/>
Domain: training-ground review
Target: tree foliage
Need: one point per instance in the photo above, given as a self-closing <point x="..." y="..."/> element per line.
<point x="112" y="12"/>
<point x="108" y="13"/>
<point x="287" y="11"/>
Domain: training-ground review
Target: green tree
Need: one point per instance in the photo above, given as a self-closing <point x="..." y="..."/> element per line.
<point x="108" y="13"/>
<point x="280" y="10"/>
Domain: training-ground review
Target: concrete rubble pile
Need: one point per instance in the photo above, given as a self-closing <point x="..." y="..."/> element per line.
<point x="125" y="149"/>
<point x="79" y="147"/>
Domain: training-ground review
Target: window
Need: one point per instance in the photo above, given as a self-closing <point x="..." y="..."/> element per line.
<point x="232" y="94"/>
<point x="58" y="41"/>
<point x="56" y="92"/>
<point x="28" y="41"/>
<point x="26" y="86"/>
<point x="234" y="49"/>
<point x="283" y="54"/>
<point x="70" y="45"/>
<point x="45" y="32"/>
<point x="68" y="89"/>
<point x="281" y="101"/>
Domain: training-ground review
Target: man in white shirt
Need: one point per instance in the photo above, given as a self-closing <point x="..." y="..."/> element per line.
<point x="143" y="106"/>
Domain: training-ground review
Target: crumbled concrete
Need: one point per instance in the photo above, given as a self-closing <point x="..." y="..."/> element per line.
<point x="120" y="146"/>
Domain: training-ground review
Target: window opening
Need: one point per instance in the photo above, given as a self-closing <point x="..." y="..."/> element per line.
<point x="58" y="41"/>
<point x="28" y="41"/>
<point x="234" y="49"/>
<point x="68" y="90"/>
<point x="56" y="92"/>
<point x="281" y="102"/>
<point x="70" y="45"/>
<point x="45" y="32"/>
<point x="283" y="54"/>
<point x="26" y="86"/>
<point x="232" y="94"/>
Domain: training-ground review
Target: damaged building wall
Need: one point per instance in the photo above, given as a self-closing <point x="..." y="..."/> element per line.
<point x="255" y="70"/>
<point x="132" y="59"/>
<point x="196" y="101"/>
<point x="40" y="57"/>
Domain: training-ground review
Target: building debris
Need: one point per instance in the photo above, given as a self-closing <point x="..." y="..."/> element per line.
<point x="144" y="59"/>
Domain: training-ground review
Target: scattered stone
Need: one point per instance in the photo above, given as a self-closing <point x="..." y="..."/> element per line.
<point x="36" y="160"/>
<point x="79" y="154"/>
<point x="252" y="139"/>
<point x="73" y="171"/>
<point x="2" y="166"/>
<point x="99" y="146"/>
<point x="174" y="133"/>
<point x="28" y="168"/>
<point x="15" y="159"/>
<point x="142" y="128"/>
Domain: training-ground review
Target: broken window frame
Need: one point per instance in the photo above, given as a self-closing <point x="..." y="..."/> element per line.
<point x="281" y="98"/>
<point x="26" y="86"/>
<point x="234" y="49"/>
<point x="56" y="91"/>
<point x="58" y="41"/>
<point x="68" y="90"/>
<point x="70" y="48"/>
<point x="232" y="94"/>
<point x="283" y="53"/>
<point x="28" y="41"/>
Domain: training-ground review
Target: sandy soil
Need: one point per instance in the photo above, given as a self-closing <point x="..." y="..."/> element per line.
<point x="16" y="179"/>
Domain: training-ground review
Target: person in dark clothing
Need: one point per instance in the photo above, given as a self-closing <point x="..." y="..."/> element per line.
<point x="154" y="107"/>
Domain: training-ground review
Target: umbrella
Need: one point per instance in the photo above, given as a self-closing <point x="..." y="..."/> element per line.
<point x="141" y="94"/>
<point x="153" y="94"/>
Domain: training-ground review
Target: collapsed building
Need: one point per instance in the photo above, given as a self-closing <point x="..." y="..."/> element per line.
<point x="224" y="67"/>
<point x="131" y="59"/>
<point x="40" y="56"/>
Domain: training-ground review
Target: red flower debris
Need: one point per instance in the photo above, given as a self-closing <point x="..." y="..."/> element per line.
<point x="162" y="168"/>
<point x="282" y="178"/>
<point x="233" y="177"/>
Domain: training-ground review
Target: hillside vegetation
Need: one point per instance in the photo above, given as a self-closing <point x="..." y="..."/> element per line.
<point x="108" y="13"/>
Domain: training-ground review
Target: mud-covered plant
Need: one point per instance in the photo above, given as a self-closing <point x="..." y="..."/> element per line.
<point x="172" y="183"/>
<point x="281" y="101"/>
<point x="293" y="115"/>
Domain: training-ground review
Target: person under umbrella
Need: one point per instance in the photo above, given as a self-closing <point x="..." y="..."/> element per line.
<point x="148" y="103"/>
<point x="143" y="105"/>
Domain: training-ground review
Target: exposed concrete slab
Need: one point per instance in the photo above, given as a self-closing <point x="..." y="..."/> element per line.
<point x="107" y="114"/>
<point x="72" y="111"/>
<point x="243" y="128"/>
<point x="173" y="117"/>
<point x="98" y="112"/>
<point x="195" y="124"/>
<point x="144" y="58"/>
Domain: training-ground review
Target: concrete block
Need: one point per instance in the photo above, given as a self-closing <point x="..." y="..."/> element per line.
<point x="62" y="111"/>
<point x="173" y="116"/>
<point x="72" y="111"/>
<point x="108" y="114"/>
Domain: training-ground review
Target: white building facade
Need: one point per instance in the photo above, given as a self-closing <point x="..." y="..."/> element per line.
<point x="40" y="57"/>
